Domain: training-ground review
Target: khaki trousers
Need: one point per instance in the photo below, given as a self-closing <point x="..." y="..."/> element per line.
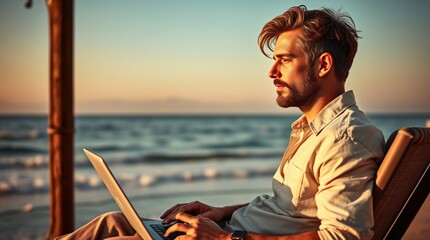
<point x="111" y="225"/>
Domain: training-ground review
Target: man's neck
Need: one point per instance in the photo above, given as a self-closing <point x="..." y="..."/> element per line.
<point x="312" y="109"/>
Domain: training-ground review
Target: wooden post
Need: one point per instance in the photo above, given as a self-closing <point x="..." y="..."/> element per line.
<point x="61" y="118"/>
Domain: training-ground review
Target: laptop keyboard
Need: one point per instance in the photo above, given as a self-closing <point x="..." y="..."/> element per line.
<point x="160" y="229"/>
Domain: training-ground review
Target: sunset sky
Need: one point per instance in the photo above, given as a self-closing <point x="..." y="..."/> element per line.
<point x="202" y="56"/>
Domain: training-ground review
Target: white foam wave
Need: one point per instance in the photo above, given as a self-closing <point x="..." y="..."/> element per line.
<point x="30" y="162"/>
<point x="17" y="184"/>
<point x="19" y="135"/>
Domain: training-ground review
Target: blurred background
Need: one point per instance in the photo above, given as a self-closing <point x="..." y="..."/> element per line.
<point x="175" y="96"/>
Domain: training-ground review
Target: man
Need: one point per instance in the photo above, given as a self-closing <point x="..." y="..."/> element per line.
<point x="323" y="186"/>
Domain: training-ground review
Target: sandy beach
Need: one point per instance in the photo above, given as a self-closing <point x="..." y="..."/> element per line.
<point x="420" y="227"/>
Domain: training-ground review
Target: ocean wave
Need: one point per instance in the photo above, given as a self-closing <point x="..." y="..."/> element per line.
<point x="20" y="149"/>
<point x="112" y="147"/>
<point x="237" y="155"/>
<point x="31" y="162"/>
<point x="19" y="135"/>
<point x="237" y="144"/>
<point x="35" y="162"/>
<point x="99" y="126"/>
<point x="39" y="161"/>
<point x="16" y="184"/>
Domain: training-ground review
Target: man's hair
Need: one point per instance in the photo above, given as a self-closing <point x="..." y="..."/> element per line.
<point x="322" y="31"/>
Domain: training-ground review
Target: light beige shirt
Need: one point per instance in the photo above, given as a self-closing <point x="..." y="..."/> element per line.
<point x="325" y="180"/>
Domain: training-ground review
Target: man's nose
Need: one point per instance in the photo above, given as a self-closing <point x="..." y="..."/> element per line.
<point x="273" y="72"/>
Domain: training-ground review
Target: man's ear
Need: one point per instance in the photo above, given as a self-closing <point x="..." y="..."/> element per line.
<point x="326" y="64"/>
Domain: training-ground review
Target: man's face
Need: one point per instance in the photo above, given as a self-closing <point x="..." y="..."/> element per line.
<point x="294" y="79"/>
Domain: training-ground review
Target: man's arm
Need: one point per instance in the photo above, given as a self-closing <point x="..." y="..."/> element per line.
<point x="197" y="208"/>
<point x="344" y="200"/>
<point x="198" y="227"/>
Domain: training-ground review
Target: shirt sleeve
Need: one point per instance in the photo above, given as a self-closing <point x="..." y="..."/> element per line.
<point x="345" y="173"/>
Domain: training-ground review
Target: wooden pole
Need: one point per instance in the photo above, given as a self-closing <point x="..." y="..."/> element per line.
<point x="61" y="118"/>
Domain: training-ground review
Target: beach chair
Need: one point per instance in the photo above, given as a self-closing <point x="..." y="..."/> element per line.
<point x="402" y="182"/>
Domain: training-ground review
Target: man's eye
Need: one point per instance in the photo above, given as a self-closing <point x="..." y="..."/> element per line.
<point x="285" y="60"/>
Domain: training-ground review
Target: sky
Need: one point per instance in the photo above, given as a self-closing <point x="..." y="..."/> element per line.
<point x="199" y="56"/>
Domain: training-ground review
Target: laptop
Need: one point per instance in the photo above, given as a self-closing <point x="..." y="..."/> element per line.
<point x="146" y="228"/>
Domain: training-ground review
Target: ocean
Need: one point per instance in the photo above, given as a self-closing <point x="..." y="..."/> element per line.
<point x="220" y="158"/>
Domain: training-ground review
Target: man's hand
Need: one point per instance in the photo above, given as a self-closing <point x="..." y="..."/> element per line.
<point x="195" y="208"/>
<point x="197" y="227"/>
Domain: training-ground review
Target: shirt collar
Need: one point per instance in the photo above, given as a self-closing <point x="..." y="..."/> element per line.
<point x="327" y="114"/>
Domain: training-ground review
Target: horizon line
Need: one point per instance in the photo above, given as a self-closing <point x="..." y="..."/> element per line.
<point x="168" y="114"/>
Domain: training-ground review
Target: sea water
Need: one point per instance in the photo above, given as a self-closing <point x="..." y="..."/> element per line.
<point x="161" y="158"/>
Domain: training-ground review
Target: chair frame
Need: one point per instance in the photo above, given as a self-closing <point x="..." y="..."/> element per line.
<point x="402" y="182"/>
